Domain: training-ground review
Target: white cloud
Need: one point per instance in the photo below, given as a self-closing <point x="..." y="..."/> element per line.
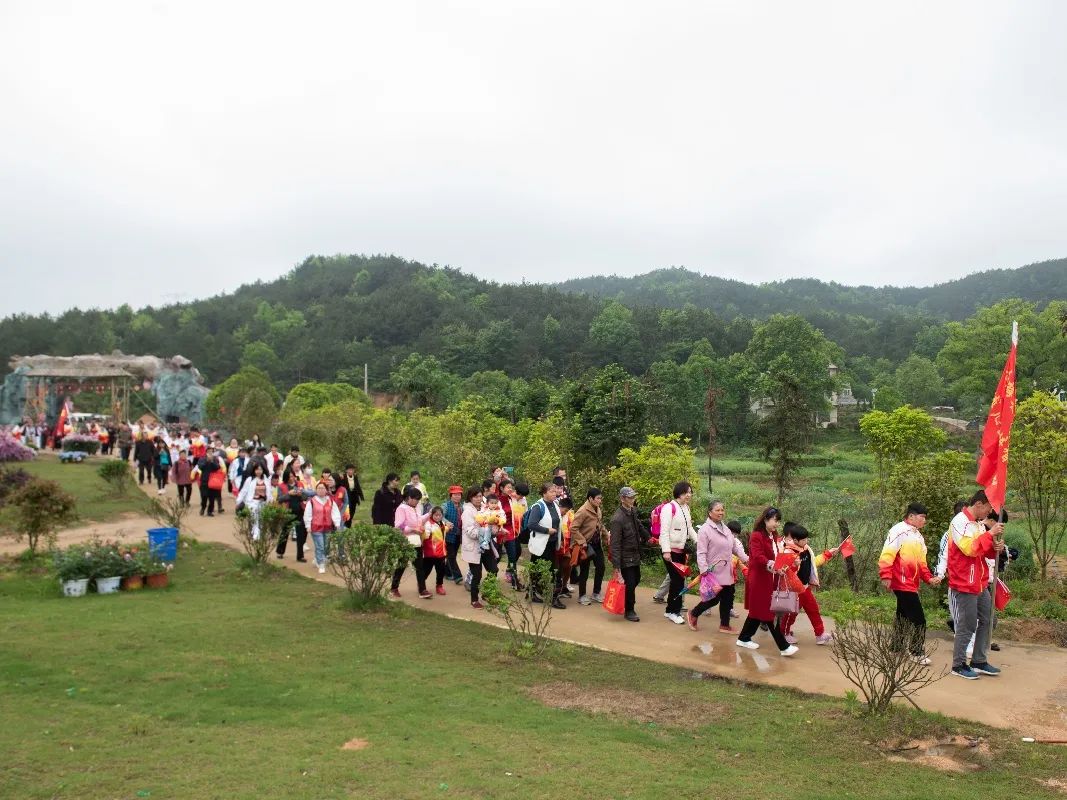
<point x="156" y="150"/>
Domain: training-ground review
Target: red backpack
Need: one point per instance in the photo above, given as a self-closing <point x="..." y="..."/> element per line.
<point x="655" y="518"/>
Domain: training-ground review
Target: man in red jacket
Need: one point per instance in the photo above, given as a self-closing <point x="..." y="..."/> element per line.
<point x="969" y="545"/>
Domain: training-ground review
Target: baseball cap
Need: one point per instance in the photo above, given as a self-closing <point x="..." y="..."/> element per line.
<point x="455" y="490"/>
<point x="626" y="491"/>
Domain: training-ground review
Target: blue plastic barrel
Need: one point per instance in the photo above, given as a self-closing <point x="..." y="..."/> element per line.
<point x="163" y="543"/>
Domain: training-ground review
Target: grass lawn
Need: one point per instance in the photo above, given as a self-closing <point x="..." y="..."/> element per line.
<point x="231" y="685"/>
<point x="95" y="502"/>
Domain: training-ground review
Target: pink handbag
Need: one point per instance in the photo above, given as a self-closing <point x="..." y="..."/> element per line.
<point x="784" y="601"/>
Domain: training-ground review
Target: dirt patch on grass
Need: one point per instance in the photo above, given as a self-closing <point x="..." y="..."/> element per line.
<point x="959" y="754"/>
<point x="1033" y="629"/>
<point x="622" y="704"/>
<point x="355" y="744"/>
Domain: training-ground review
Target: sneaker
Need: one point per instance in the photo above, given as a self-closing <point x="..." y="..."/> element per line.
<point x="735" y="613"/>
<point x="424" y="595"/>
<point x="675" y="618"/>
<point x="727" y="629"/>
<point x="566" y="593"/>
<point x="921" y="660"/>
<point x="965" y="672"/>
<point x="279" y="556"/>
<point x="791" y="638"/>
<point x="201" y="512"/>
<point x="985" y="669"/>
<point x="691" y="621"/>
<point x="476" y="604"/>
<point x="825" y="638"/>
<point x="792" y="650"/>
<point x="763" y="626"/>
<point x="459" y="581"/>
<point x="557" y="603"/>
<point x="584" y="600"/>
<point x="750" y="645"/>
<point x="632" y="617"/>
<point x="322" y="569"/>
<point x="571" y="587"/>
<point x="657" y="599"/>
<point x="302" y="560"/>
<point x="598" y="597"/>
<point x="994" y="647"/>
<point x="440" y="589"/>
<point x="394" y="593"/>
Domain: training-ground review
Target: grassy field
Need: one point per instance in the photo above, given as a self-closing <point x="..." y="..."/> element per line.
<point x="95" y="502"/>
<point x="229" y="685"/>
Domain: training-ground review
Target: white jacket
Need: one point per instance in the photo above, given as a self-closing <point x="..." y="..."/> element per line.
<point x="675" y="527"/>
<point x="248" y="491"/>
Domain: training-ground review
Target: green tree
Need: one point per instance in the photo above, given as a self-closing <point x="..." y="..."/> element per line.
<point x="313" y="395"/>
<point x="613" y="335"/>
<point x="785" y="433"/>
<point x="422" y="382"/>
<point x="654" y="468"/>
<point x="919" y="382"/>
<point x="1038" y="467"/>
<point x="788" y="345"/>
<point x="937" y="481"/>
<point x="464" y="444"/>
<point x="491" y="388"/>
<point x="260" y="355"/>
<point x="256" y="414"/>
<point x="550" y="442"/>
<point x="225" y="399"/>
<point x="887" y="398"/>
<point x="975" y="350"/>
<point x="897" y="437"/>
<point x="393" y="438"/>
<point x="612" y="412"/>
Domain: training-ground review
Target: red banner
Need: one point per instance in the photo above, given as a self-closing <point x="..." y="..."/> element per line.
<point x="996" y="440"/>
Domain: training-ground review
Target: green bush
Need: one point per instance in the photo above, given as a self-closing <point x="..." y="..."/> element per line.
<point x="364" y="557"/>
<point x="73" y="563"/>
<point x="37" y="510"/>
<point x="527" y="621"/>
<point x="116" y="474"/>
<point x="78" y="443"/>
<point x="274" y="522"/>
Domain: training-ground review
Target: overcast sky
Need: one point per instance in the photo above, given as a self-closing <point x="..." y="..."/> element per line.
<point x="153" y="152"/>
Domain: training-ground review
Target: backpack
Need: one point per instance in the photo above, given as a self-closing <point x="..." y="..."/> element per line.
<point x="655" y="519"/>
<point x="524" y="527"/>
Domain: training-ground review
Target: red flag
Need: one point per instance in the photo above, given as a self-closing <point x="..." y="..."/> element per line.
<point x="64" y="413"/>
<point x="996" y="440"/>
<point x="847" y="548"/>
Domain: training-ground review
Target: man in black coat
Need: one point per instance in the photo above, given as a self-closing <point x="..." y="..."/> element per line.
<point x="144" y="453"/>
<point x="627" y="536"/>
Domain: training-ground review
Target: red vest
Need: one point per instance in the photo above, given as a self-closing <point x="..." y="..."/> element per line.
<point x="321" y="515"/>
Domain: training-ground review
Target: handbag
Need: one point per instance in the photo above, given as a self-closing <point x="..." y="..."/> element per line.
<point x="615" y="596"/>
<point x="216" y="479"/>
<point x="784" y="601"/>
<point x="709" y="587"/>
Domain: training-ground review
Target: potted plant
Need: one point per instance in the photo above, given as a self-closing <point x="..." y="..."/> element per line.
<point x="156" y="573"/>
<point x="73" y="566"/>
<point x="133" y="567"/>
<point x="108" y="567"/>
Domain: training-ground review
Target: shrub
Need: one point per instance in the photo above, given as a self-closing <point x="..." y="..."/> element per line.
<point x="116" y="474"/>
<point x="80" y="443"/>
<point x="259" y="541"/>
<point x="364" y="557"/>
<point x="11" y="480"/>
<point x="11" y="449"/>
<point x="876" y="658"/>
<point x="73" y="563"/>
<point x="527" y="621"/>
<point x="169" y="512"/>
<point x="105" y="559"/>
<point x="653" y="470"/>
<point x="38" y="510"/>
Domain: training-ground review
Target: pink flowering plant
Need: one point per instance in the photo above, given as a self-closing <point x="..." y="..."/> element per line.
<point x="11" y="449"/>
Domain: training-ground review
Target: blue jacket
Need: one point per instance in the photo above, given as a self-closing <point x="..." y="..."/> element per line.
<point x="452" y="514"/>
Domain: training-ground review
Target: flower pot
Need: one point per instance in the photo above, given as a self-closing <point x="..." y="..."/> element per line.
<point x="133" y="582"/>
<point x="75" y="588"/>
<point x="108" y="585"/>
<point x="156" y="581"/>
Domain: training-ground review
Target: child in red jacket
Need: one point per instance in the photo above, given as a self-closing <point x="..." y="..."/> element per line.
<point x="803" y="578"/>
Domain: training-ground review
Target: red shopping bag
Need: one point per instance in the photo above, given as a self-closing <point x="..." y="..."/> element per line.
<point x="1001" y="595"/>
<point x="615" y="596"/>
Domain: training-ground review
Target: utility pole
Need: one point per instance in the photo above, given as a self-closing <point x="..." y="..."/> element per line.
<point x="365" y="379"/>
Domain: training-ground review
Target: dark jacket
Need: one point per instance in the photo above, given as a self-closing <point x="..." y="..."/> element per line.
<point x="207" y="465"/>
<point x="144" y="451"/>
<point x="384" y="506"/>
<point x="627" y="534"/>
<point x="354" y="490"/>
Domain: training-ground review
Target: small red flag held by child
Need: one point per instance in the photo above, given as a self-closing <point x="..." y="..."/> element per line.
<point x="847" y="548"/>
<point x="783" y="560"/>
<point x="683" y="569"/>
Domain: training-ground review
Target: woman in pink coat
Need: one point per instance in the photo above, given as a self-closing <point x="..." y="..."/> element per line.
<point x="761" y="582"/>
<point x="716" y="548"/>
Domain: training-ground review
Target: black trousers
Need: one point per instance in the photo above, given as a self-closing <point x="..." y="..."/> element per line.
<point x="597" y="560"/>
<point x="674" y="593"/>
<point x="416" y="563"/>
<point x="725" y="601"/>
<point x="301" y="537"/>
<point x="124" y="454"/>
<point x="431" y="564"/>
<point x="207" y="499"/>
<point x="631" y="576"/>
<point x="144" y="471"/>
<point x="161" y="477"/>
<point x="748" y="630"/>
<point x="452" y="550"/>
<point x="910" y="609"/>
<point x="185" y="492"/>
<point x="476" y="580"/>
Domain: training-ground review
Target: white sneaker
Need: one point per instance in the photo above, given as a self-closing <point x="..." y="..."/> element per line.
<point x="751" y="645"/>
<point x="921" y="660"/>
<point x="584" y="600"/>
<point x="322" y="569"/>
<point x="734" y="613"/>
<point x="790" y="651"/>
<point x="571" y="587"/>
<point x="675" y="618"/>
<point x="598" y="597"/>
<point x="161" y="491"/>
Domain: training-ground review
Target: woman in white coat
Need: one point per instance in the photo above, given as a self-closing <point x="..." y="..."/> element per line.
<point x="470" y="549"/>
<point x="254" y="494"/>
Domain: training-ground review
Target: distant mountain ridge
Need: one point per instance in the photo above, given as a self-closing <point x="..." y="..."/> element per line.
<point x="953" y="300"/>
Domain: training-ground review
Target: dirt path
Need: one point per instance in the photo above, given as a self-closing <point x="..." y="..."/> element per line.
<point x="1030" y="696"/>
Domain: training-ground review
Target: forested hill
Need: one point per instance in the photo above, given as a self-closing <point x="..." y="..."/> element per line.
<point x="330" y="315"/>
<point x="952" y="300"/>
